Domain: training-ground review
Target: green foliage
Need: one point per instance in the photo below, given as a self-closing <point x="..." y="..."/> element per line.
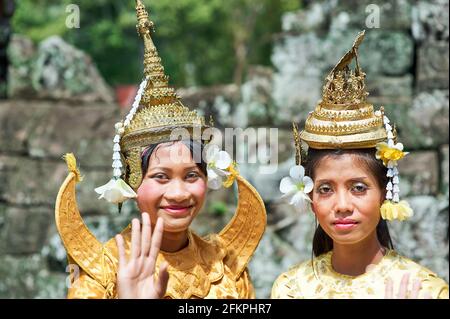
<point x="218" y="208"/>
<point x="198" y="40"/>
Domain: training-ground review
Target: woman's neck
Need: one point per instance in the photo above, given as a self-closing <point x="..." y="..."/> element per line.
<point x="353" y="260"/>
<point x="173" y="242"/>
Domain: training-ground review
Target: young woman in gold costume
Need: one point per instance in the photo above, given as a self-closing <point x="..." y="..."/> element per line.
<point x="168" y="177"/>
<point x="350" y="182"/>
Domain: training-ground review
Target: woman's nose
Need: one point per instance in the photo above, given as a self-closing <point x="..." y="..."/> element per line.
<point x="176" y="191"/>
<point x="343" y="203"/>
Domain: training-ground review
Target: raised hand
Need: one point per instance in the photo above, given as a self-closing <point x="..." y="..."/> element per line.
<point x="403" y="290"/>
<point x="135" y="277"/>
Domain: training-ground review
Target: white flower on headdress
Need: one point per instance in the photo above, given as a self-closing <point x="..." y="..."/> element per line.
<point x="296" y="186"/>
<point x="116" y="191"/>
<point x="220" y="166"/>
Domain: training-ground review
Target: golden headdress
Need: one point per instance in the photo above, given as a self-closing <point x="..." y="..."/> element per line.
<point x="157" y="113"/>
<point x="344" y="119"/>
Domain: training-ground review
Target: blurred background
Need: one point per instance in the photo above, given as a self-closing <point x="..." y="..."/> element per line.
<point x="69" y="71"/>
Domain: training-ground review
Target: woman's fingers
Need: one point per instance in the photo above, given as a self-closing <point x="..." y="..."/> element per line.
<point x="150" y="261"/>
<point x="121" y="248"/>
<point x="161" y="282"/>
<point x="389" y="292"/>
<point x="157" y="239"/>
<point x="416" y="289"/>
<point x="135" y="238"/>
<point x="403" y="287"/>
<point x="146" y="234"/>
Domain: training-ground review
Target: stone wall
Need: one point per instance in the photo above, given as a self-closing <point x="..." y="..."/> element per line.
<point x="6" y="11"/>
<point x="406" y="61"/>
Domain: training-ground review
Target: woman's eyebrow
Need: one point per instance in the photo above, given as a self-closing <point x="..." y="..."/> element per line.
<point x="168" y="169"/>
<point x="322" y="181"/>
<point x="162" y="168"/>
<point x="359" y="178"/>
<point x="191" y="167"/>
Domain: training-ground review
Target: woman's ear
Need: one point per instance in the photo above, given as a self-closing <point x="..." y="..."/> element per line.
<point x="312" y="208"/>
<point x="382" y="198"/>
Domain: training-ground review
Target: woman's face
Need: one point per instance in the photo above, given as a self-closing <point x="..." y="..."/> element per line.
<point x="346" y="199"/>
<point x="173" y="188"/>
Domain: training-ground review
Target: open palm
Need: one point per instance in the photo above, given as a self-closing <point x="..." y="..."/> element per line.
<point x="403" y="292"/>
<point x="136" y="277"/>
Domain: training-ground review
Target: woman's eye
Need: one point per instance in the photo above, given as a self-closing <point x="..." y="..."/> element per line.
<point x="359" y="188"/>
<point x="159" y="176"/>
<point x="192" y="175"/>
<point x="324" y="189"/>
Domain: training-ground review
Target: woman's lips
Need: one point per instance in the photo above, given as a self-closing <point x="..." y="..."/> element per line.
<point x="345" y="224"/>
<point x="177" y="210"/>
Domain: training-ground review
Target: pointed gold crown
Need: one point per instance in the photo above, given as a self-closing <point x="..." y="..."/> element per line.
<point x="160" y="111"/>
<point x="343" y="118"/>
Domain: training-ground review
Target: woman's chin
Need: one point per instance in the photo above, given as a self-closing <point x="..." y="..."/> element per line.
<point x="176" y="227"/>
<point x="347" y="239"/>
<point x="175" y="223"/>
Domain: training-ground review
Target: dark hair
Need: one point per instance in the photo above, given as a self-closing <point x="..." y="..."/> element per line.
<point x="195" y="147"/>
<point x="323" y="243"/>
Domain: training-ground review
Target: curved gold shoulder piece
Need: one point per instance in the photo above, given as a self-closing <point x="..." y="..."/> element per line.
<point x="80" y="243"/>
<point x="243" y="233"/>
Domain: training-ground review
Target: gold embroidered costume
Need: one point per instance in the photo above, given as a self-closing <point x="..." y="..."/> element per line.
<point x="344" y="119"/>
<point x="317" y="279"/>
<point x="213" y="267"/>
<point x="210" y="267"/>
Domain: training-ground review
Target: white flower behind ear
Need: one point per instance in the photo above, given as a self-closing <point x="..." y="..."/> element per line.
<point x="219" y="163"/>
<point x="295" y="187"/>
<point x="116" y="191"/>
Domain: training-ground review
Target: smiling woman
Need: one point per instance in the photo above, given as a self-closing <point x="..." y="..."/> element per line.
<point x="174" y="192"/>
<point x="352" y="160"/>
<point x="167" y="177"/>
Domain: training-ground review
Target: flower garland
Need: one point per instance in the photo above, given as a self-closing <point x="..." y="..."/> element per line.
<point x="390" y="153"/>
<point x="117" y="191"/>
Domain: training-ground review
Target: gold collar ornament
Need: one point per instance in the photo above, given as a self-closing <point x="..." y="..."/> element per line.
<point x="344" y="119"/>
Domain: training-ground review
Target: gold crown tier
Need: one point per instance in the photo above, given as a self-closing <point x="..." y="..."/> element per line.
<point x="344" y="87"/>
<point x="330" y="141"/>
<point x="156" y="124"/>
<point x="343" y="118"/>
<point x="343" y="112"/>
